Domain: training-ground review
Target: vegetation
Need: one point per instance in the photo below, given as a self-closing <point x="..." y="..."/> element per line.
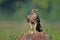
<point x="13" y="30"/>
<point x="13" y="17"/>
<point x="13" y="9"/>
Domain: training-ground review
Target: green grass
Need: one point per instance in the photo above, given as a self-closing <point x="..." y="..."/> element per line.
<point x="13" y="30"/>
<point x="53" y="32"/>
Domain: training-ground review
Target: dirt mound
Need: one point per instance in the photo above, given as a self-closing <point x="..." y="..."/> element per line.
<point x="34" y="36"/>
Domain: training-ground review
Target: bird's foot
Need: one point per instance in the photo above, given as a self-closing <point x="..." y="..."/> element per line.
<point x="35" y="31"/>
<point x="30" y="31"/>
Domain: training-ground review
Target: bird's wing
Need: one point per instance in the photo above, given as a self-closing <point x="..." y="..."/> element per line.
<point x="28" y="18"/>
<point x="38" y="19"/>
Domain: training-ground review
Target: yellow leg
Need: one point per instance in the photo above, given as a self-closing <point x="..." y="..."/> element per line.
<point x="30" y="31"/>
<point x="35" y="27"/>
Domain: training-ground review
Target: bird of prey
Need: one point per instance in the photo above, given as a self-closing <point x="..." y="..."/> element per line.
<point x="33" y="19"/>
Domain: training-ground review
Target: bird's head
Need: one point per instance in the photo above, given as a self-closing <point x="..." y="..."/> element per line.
<point x="34" y="10"/>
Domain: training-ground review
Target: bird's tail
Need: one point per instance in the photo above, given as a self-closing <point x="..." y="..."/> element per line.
<point x="38" y="27"/>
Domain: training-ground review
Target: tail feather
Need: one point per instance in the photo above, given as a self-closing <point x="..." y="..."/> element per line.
<point x="38" y="27"/>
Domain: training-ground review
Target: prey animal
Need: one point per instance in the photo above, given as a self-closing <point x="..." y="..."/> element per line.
<point x="33" y="19"/>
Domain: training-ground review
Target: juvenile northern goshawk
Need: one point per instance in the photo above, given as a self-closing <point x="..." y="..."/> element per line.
<point x="33" y="19"/>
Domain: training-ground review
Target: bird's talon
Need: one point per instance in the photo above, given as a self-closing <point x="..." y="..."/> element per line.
<point x="35" y="31"/>
<point x="30" y="31"/>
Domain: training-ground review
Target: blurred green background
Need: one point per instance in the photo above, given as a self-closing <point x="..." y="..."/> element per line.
<point x="13" y="17"/>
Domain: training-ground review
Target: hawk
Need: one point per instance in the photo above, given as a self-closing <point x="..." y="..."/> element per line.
<point x="33" y="19"/>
